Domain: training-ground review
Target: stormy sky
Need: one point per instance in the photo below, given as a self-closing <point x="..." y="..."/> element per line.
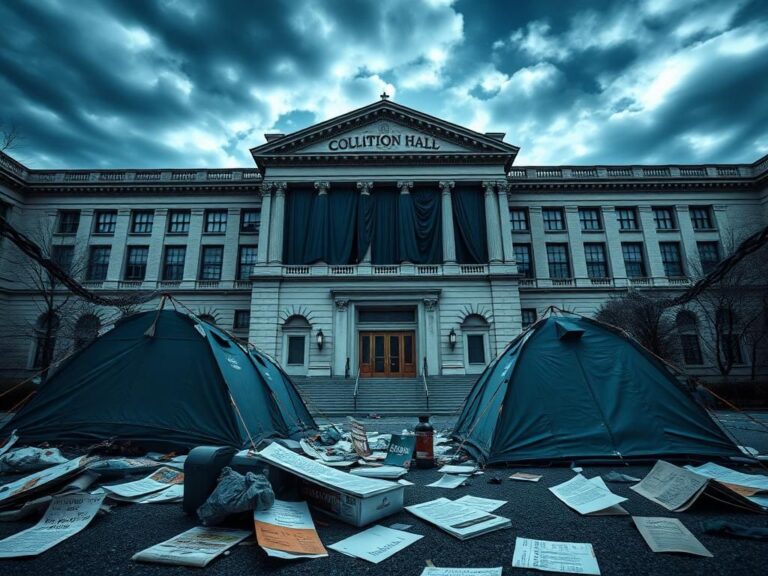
<point x="194" y="83"/>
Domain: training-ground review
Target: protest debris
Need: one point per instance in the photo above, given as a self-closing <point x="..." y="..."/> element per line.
<point x="589" y="496"/>
<point x="458" y="520"/>
<point x="195" y="547"/>
<point x="570" y="557"/>
<point x="285" y="530"/>
<point x="375" y="544"/>
<point x="669" y="535"/>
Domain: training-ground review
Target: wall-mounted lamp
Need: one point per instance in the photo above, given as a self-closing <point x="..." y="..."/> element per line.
<point x="452" y="338"/>
<point x="320" y="339"/>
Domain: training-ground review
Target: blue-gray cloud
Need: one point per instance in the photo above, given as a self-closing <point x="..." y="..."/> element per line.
<point x="144" y="83"/>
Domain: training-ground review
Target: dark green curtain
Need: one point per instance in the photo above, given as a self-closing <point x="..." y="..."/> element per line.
<point x="342" y="217"/>
<point x="408" y="249"/>
<point x="316" y="242"/>
<point x="364" y="225"/>
<point x="384" y="240"/>
<point x="469" y="224"/>
<point x="298" y="208"/>
<point x="428" y="225"/>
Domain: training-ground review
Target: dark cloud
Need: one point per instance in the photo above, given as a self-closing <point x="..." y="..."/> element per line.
<point x="143" y="83"/>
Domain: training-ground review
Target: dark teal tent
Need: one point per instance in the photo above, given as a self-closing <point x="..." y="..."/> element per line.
<point x="573" y="388"/>
<point x="164" y="380"/>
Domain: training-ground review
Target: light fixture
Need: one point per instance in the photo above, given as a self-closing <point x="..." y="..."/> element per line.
<point x="452" y="338"/>
<point x="319" y="339"/>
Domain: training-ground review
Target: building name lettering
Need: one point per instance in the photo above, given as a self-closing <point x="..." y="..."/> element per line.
<point x="383" y="141"/>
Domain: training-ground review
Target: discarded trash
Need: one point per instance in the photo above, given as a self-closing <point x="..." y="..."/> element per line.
<point x="495" y="480"/>
<point x="614" y="476"/>
<point x="119" y="467"/>
<point x="524" y="477"/>
<point x="195" y="547"/>
<point x="425" y="447"/>
<point x="589" y="496"/>
<point x="435" y="571"/>
<point x="398" y="526"/>
<point x="236" y="493"/>
<point x="484" y="504"/>
<point x="448" y="481"/>
<point x="463" y="469"/>
<point x="375" y="544"/>
<point x="65" y="517"/>
<point x="34" y="483"/>
<point x="286" y="531"/>
<point x="30" y="460"/>
<point x="458" y="520"/>
<point x="400" y="451"/>
<point x="386" y="472"/>
<point x="138" y="489"/>
<point x="669" y="535"/>
<point x="748" y="485"/>
<point x="8" y="442"/>
<point x="359" y="438"/>
<point x="171" y="494"/>
<point x="571" y="557"/>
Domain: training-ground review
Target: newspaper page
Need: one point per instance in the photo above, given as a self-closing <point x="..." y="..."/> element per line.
<point x="758" y="482"/>
<point x="615" y="510"/>
<point x="669" y="535"/>
<point x="359" y="439"/>
<point x="317" y="472"/>
<point x="435" y="571"/>
<point x="584" y="496"/>
<point x="572" y="557"/>
<point x="448" y="481"/>
<point x="65" y="517"/>
<point x="18" y="488"/>
<point x="458" y="469"/>
<point x="375" y="544"/>
<point x="484" y="504"/>
<point x="670" y="486"/>
<point x="174" y="493"/>
<point x="195" y="547"/>
<point x="457" y="519"/>
<point x="286" y="531"/>
<point x="158" y="480"/>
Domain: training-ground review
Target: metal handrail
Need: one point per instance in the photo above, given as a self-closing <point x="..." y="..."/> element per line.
<point x="424" y="380"/>
<point x="354" y="394"/>
<point x="346" y="369"/>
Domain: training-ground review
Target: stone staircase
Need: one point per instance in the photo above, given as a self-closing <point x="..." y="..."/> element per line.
<point x="384" y="396"/>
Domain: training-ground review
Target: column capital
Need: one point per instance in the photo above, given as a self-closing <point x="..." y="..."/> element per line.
<point x="266" y="187"/>
<point x="365" y="187"/>
<point x="430" y="304"/>
<point x="489" y="186"/>
<point x="405" y="186"/>
<point x="280" y="188"/>
<point x="502" y="186"/>
<point x="322" y="187"/>
<point x="446" y="186"/>
<point x="341" y="304"/>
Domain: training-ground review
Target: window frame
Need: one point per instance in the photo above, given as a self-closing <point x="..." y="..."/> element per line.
<point x="69" y="249"/>
<point x="97" y="214"/>
<point x="708" y="217"/>
<point x="237" y="323"/>
<point x="209" y="248"/>
<point x="669" y="213"/>
<point x="642" y="260"/>
<point x="598" y="219"/>
<point x="566" y="261"/>
<point x="185" y="222"/>
<point x="708" y="265"/>
<point x="603" y="262"/>
<point x="526" y="221"/>
<point x="529" y="249"/>
<point x="635" y="218"/>
<point x="256" y="226"/>
<point x="523" y="312"/>
<point x="174" y="265"/>
<point x="60" y="220"/>
<point x="149" y="223"/>
<point x="210" y="221"/>
<point x="547" y="221"/>
<point x="92" y="250"/>
<point x="130" y="273"/>
<point x="663" y="246"/>
<point x="240" y="251"/>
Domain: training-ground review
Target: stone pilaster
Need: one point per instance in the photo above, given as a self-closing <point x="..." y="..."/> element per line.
<point x="613" y="241"/>
<point x="492" y="225"/>
<point x="365" y="188"/>
<point x="654" y="265"/>
<point x="339" y="338"/>
<point x="264" y="224"/>
<point x="449" y="242"/>
<point x="690" y="255"/>
<point x="119" y="241"/>
<point x="277" y="224"/>
<point x="538" y="242"/>
<point x="506" y="227"/>
<point x="576" y="241"/>
<point x="192" y="258"/>
<point x="155" y="256"/>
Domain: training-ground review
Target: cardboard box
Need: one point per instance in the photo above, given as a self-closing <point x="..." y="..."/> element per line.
<point x="356" y="510"/>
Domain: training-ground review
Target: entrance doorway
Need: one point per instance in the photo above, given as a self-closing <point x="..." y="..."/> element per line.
<point x="387" y="354"/>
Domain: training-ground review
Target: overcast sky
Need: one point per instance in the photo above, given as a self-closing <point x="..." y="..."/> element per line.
<point x="190" y="83"/>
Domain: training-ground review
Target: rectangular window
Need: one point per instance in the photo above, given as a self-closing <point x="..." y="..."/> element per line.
<point x="136" y="262"/>
<point x="672" y="258"/>
<point x="173" y="262"/>
<point x="524" y="260"/>
<point x="528" y="316"/>
<point x="211" y="262"/>
<point x="691" y="349"/>
<point x="249" y="221"/>
<point x="69" y="220"/>
<point x="178" y="221"/>
<point x="242" y="320"/>
<point x="63" y="255"/>
<point x="245" y="262"/>
<point x="664" y="218"/>
<point x="557" y="257"/>
<point x="105" y="221"/>
<point x="709" y="254"/>
<point x="553" y="219"/>
<point x="590" y="219"/>
<point x="98" y="263"/>
<point x="475" y="349"/>
<point x="141" y="221"/>
<point x="627" y="218"/>
<point x="296" y="350"/>
<point x="701" y="217"/>
<point x="597" y="263"/>
<point x="215" y="221"/>
<point x="518" y="217"/>
<point x="633" y="259"/>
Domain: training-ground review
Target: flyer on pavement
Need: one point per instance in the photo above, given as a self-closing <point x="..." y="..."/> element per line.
<point x="448" y="481"/>
<point x="524" y="477"/>
<point x="195" y="547"/>
<point x="136" y="490"/>
<point x="458" y="520"/>
<point x="669" y="535"/>
<point x="23" y="487"/>
<point x="571" y="557"/>
<point x="174" y="493"/>
<point x="584" y="496"/>
<point x="286" y="531"/>
<point x="484" y="504"/>
<point x="376" y="544"/>
<point x="435" y="571"/>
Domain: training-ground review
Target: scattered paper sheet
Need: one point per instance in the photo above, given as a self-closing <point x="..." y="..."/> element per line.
<point x="286" y="531"/>
<point x="615" y="510"/>
<point x="65" y="517"/>
<point x="15" y="490"/>
<point x="376" y="544"/>
<point x="435" y="571"/>
<point x="614" y="476"/>
<point x="158" y="480"/>
<point x="400" y="451"/>
<point x="484" y="504"/>
<point x="448" y="481"/>
<point x="669" y="535"/>
<point x="525" y="477"/>
<point x="195" y="547"/>
<point x="584" y="496"/>
<point x="455" y="469"/>
<point x="174" y="493"/>
<point x="670" y="486"/>
<point x="359" y="438"/>
<point x="386" y="472"/>
<point x="8" y="442"/>
<point x="551" y="556"/>
<point x="404" y="482"/>
<point x="461" y="521"/>
<point x="711" y="470"/>
<point x="401" y="526"/>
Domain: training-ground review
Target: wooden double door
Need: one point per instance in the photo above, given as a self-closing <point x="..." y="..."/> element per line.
<point x="388" y="354"/>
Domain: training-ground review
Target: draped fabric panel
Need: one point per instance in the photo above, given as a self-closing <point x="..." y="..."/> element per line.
<point x="469" y="224"/>
<point x="342" y="217"/>
<point x="365" y="221"/>
<point x="428" y="225"/>
<point x="298" y="208"/>
<point x="316" y="242"/>
<point x="384" y="240"/>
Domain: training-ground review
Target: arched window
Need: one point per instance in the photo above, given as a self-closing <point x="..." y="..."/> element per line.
<point x="689" y="337"/>
<point x="296" y="331"/>
<point x="208" y="318"/>
<point x="86" y="330"/>
<point x="46" y="328"/>
<point x="475" y="330"/>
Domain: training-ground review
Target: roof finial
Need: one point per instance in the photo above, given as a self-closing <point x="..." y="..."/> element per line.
<point x="384" y="95"/>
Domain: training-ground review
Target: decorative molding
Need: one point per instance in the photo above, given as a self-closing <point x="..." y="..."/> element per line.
<point x="446" y="186"/>
<point x="489" y="186"/>
<point x="365" y="187"/>
<point x="266" y="187"/>
<point x="405" y="186"/>
<point x="322" y="186"/>
<point x="475" y="310"/>
<point x="430" y="304"/>
<point x="291" y="311"/>
<point x="341" y="304"/>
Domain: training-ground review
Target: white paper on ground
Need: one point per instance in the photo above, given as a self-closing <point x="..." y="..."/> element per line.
<point x="448" y="481"/>
<point x="387" y="472"/>
<point x="615" y="510"/>
<point x="404" y="482"/>
<point x="34" y="481"/>
<point x="455" y="469"/>
<point x="484" y="504"/>
<point x="158" y="480"/>
<point x="195" y="547"/>
<point x="584" y="496"/>
<point x="375" y="544"/>
<point x="285" y="530"/>
<point x="728" y="476"/>
<point x="173" y="494"/>
<point x="670" y="486"/>
<point x="573" y="557"/>
<point x="65" y="517"/>
<point x="457" y="519"/>
<point x="10" y="441"/>
<point x="669" y="535"/>
<point x="524" y="477"/>
<point x="435" y="571"/>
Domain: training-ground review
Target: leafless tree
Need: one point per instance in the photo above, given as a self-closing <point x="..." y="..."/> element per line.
<point x="9" y="136"/>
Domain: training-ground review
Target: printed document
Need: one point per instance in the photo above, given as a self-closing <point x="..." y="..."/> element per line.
<point x="173" y="494"/>
<point x="448" y="481"/>
<point x="455" y="469"/>
<point x="386" y="472"/>
<point x="400" y="451"/>
<point x="65" y="517"/>
<point x="524" y="477"/>
<point x="286" y="531"/>
<point x="584" y="496"/>
<point x="195" y="547"/>
<point x="461" y="521"/>
<point x="758" y="482"/>
<point x="572" y="557"/>
<point x="15" y="490"/>
<point x="669" y="535"/>
<point x="376" y="544"/>
<point x="434" y="571"/>
<point x="158" y="480"/>
<point x="484" y="504"/>
<point x="670" y="486"/>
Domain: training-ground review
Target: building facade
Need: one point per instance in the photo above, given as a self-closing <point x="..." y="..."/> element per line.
<point x="384" y="242"/>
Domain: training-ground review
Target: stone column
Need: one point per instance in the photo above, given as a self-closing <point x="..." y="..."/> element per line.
<point x="405" y="190"/>
<point x="119" y="241"/>
<point x="431" y="339"/>
<point x="277" y="225"/>
<point x="576" y="241"/>
<point x="538" y="243"/>
<point x="339" y="339"/>
<point x="690" y="255"/>
<point x="231" y="250"/>
<point x="613" y="241"/>
<point x="365" y="190"/>
<point x="654" y="265"/>
<point x="155" y="256"/>
<point x="264" y="223"/>
<point x="449" y="242"/>
<point x="82" y="241"/>
<point x="506" y="227"/>
<point x="492" y="225"/>
<point x="194" y="240"/>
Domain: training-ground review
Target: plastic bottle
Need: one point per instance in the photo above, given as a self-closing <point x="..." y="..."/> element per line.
<point x="425" y="452"/>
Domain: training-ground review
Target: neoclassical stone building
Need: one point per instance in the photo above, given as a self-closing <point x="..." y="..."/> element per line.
<point x="384" y="242"/>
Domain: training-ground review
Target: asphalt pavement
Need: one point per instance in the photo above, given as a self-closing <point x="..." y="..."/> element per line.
<point x="106" y="546"/>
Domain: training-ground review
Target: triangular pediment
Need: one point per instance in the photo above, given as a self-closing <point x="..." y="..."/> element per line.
<point x="383" y="129"/>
